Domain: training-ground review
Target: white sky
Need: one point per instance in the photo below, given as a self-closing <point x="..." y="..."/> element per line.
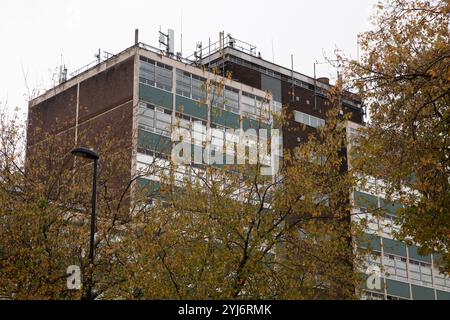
<point x="35" y="34"/>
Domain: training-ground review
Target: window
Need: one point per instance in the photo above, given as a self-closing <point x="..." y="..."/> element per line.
<point x="395" y="266"/>
<point x="440" y="279"/>
<point x="198" y="88"/>
<point x="155" y="74"/>
<point x="154" y="119"/>
<point x="368" y="295"/>
<point x="196" y="127"/>
<point x="313" y="122"/>
<point x="146" y="117"/>
<point x="231" y="96"/>
<point x="163" y="121"/>
<point x="276" y="107"/>
<point x="217" y="99"/>
<point x="147" y="72"/>
<point x="231" y="139"/>
<point x="272" y="85"/>
<point x="262" y="108"/>
<point x="420" y="272"/>
<point x="184" y="83"/>
<point x="308" y="120"/>
<point x="248" y="104"/>
<point x="217" y="137"/>
<point x="374" y="258"/>
<point x="198" y="133"/>
<point x="395" y="298"/>
<point x="163" y="76"/>
<point x="190" y="86"/>
<point x="183" y="123"/>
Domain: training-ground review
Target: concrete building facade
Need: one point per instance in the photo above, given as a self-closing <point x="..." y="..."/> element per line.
<point x="142" y="92"/>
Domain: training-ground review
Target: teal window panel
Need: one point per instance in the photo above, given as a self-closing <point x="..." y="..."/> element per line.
<point x="394" y="247"/>
<point x="149" y="185"/>
<point x="370" y="241"/>
<point x="253" y="124"/>
<point x="422" y="293"/>
<point x="154" y="142"/>
<point x="413" y="254"/>
<point x="365" y="200"/>
<point x="225" y="118"/>
<point x="437" y="259"/>
<point x="443" y="295"/>
<point x="390" y="207"/>
<point x="158" y="97"/>
<point x="191" y="107"/>
<point x="397" y="288"/>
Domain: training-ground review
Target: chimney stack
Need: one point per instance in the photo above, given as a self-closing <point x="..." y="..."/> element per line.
<point x="136" y="36"/>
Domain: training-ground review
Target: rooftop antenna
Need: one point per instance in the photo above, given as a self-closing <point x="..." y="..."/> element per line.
<point x="62" y="74"/>
<point x="222" y="39"/>
<point x="62" y="70"/>
<point x="168" y="41"/>
<point x="292" y="75"/>
<point x="273" y="53"/>
<point x="181" y="40"/>
<point x="231" y="40"/>
<point x="171" y="42"/>
<point x="98" y="56"/>
<point x="198" y="53"/>
<point x="315" y="85"/>
<point x="209" y="53"/>
<point x="222" y="49"/>
<point x="162" y="38"/>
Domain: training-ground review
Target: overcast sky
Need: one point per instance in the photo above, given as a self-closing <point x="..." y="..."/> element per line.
<point x="37" y="36"/>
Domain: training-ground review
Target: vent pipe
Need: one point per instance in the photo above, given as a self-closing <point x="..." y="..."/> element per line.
<point x="136" y="36"/>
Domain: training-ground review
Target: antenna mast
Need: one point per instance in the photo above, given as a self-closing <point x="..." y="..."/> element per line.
<point x="273" y="53"/>
<point x="181" y="44"/>
<point x="168" y="41"/>
<point x="292" y="75"/>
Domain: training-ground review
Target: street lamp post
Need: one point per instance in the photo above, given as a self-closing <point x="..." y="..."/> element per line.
<point x="91" y="155"/>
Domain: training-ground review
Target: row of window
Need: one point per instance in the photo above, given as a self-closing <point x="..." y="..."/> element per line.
<point x="401" y="268"/>
<point x="159" y="120"/>
<point x="276" y="75"/>
<point x="159" y="75"/>
<point x="369" y="295"/>
<point x="308" y="120"/>
<point x="387" y="224"/>
<point x="220" y="136"/>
